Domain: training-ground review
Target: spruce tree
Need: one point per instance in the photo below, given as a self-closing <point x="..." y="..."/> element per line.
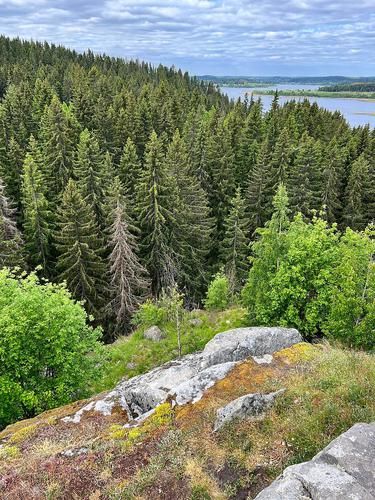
<point x="156" y="197"/>
<point x="11" y="251"/>
<point x="355" y="195"/>
<point x="89" y="172"/>
<point x="129" y="168"/>
<point x="36" y="211"/>
<point x="80" y="250"/>
<point x="332" y="182"/>
<point x="128" y="282"/>
<point x="193" y="225"/>
<point x="57" y="144"/>
<point x="256" y="194"/>
<point x="234" y="249"/>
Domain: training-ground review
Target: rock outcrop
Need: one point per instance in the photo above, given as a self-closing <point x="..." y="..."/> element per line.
<point x="250" y="405"/>
<point x="185" y="380"/>
<point x="154" y="333"/>
<point x="345" y="469"/>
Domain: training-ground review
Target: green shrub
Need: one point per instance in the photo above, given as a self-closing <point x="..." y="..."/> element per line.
<point x="218" y="293"/>
<point x="150" y="313"/>
<point x="48" y="353"/>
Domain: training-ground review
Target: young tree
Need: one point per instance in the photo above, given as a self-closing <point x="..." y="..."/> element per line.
<point x="235" y="249"/>
<point x="80" y="250"/>
<point x="268" y="252"/>
<point x="48" y="353"/>
<point x="128" y="278"/>
<point x="37" y="215"/>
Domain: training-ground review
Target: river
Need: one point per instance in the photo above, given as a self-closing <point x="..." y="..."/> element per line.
<point x="356" y="111"/>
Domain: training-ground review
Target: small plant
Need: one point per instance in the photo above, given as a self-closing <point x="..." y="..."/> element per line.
<point x="173" y="304"/>
<point x="218" y="293"/>
<point x="150" y="313"/>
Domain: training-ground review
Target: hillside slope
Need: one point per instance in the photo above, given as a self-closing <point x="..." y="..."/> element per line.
<point x="173" y="452"/>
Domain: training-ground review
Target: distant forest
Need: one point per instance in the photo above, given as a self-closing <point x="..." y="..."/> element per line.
<point x="350" y="87"/>
<point x="248" y="81"/>
<point x="125" y="179"/>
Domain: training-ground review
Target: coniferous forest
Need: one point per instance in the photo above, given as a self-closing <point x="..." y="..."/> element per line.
<point x="124" y="180"/>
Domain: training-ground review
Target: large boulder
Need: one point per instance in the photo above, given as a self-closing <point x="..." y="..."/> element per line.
<point x="185" y="380"/>
<point x="154" y="333"/>
<point x="240" y="343"/>
<point x="345" y="469"/>
<point x="250" y="405"/>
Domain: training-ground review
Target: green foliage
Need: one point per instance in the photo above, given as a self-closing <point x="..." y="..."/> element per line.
<point x="218" y="293"/>
<point x="149" y="313"/>
<point x="48" y="353"/>
<point x="311" y="277"/>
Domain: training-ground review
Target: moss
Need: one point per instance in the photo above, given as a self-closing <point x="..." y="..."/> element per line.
<point x="23" y="434"/>
<point x="9" y="452"/>
<point x="298" y="353"/>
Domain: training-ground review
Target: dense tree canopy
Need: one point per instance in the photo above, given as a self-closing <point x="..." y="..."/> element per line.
<point x="198" y="174"/>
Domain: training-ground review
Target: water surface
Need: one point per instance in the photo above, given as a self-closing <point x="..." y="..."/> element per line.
<point x="356" y="111"/>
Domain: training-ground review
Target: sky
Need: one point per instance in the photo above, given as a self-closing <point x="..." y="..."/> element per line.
<point x="227" y="37"/>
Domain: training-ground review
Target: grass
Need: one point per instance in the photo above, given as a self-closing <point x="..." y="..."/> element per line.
<point x="133" y="355"/>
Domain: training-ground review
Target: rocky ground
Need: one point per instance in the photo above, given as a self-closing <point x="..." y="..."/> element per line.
<point x="221" y="424"/>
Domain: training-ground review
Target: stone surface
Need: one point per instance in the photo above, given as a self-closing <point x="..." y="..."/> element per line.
<point x="195" y="322"/>
<point x="345" y="469"/>
<point x="185" y="380"/>
<point x="241" y="343"/>
<point x="250" y="405"/>
<point x="154" y="333"/>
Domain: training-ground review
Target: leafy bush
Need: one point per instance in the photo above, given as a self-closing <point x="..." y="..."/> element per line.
<point x="309" y="276"/>
<point x="218" y="293"/>
<point x="150" y="313"/>
<point x="48" y="352"/>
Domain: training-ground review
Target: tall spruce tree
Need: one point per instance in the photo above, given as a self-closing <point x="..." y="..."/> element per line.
<point x="235" y="249"/>
<point x="128" y="282"/>
<point x="193" y="225"/>
<point x="129" y="168"/>
<point x="80" y="250"/>
<point x="11" y="243"/>
<point x="57" y="144"/>
<point x="356" y="193"/>
<point x="37" y="216"/>
<point x="89" y="172"/>
<point x="156" y="197"/>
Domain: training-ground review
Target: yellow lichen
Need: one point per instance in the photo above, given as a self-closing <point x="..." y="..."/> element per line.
<point x="23" y="434"/>
<point x="117" y="431"/>
<point x="297" y="353"/>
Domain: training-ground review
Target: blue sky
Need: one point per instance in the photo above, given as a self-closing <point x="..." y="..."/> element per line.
<point x="231" y="37"/>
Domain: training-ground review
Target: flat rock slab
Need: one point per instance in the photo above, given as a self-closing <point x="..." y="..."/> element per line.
<point x="250" y="405"/>
<point x="185" y="380"/>
<point x="345" y="469"/>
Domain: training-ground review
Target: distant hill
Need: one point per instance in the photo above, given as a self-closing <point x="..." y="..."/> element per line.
<point x="302" y="80"/>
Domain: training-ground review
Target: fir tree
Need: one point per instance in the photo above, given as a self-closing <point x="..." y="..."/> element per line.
<point x="235" y="249"/>
<point x="332" y="182"/>
<point x="128" y="278"/>
<point x="80" y="250"/>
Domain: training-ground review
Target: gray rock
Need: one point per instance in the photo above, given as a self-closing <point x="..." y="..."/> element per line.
<point x="250" y="405"/>
<point x="241" y="343"/>
<point x="186" y="379"/>
<point x="195" y="322"/>
<point x="154" y="333"/>
<point x="345" y="469"/>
